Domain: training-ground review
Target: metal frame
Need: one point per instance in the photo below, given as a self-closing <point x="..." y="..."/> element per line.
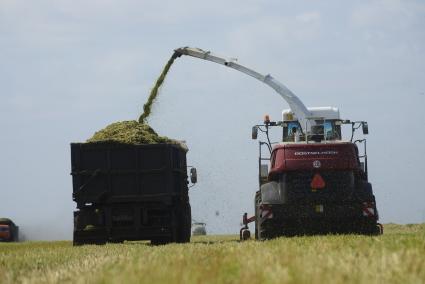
<point x="364" y="156"/>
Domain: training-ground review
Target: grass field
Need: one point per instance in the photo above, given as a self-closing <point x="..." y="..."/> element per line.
<point x="396" y="257"/>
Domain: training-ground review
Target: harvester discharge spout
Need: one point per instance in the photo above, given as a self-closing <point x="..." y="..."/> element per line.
<point x="296" y="105"/>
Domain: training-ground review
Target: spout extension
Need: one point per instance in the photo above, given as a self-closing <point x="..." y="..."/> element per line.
<point x="293" y="101"/>
<point x="176" y="54"/>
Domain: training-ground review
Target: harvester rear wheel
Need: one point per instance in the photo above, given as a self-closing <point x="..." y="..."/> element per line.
<point x="257" y="208"/>
<point x="266" y="232"/>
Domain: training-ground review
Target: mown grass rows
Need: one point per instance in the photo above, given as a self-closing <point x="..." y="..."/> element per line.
<point x="396" y="257"/>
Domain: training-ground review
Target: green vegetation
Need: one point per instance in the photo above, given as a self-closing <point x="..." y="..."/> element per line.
<point x="147" y="108"/>
<point x="128" y="132"/>
<point x="396" y="257"/>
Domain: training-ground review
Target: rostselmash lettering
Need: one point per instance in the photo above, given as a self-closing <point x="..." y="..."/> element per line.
<point x="308" y="153"/>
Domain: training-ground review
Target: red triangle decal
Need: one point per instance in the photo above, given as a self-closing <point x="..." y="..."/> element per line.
<point x="317" y="182"/>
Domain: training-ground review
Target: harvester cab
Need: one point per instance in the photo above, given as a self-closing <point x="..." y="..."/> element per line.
<point x="325" y="126"/>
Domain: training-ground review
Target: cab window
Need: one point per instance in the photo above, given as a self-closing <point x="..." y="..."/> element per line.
<point x="328" y="129"/>
<point x="325" y="130"/>
<point x="288" y="130"/>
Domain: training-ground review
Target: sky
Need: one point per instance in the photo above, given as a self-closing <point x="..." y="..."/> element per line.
<point x="69" y="68"/>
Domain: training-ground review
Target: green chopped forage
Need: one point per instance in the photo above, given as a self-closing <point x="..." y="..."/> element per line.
<point x="147" y="108"/>
<point x="129" y="132"/>
<point x="133" y="133"/>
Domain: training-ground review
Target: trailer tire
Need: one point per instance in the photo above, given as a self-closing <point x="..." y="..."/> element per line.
<point x="160" y="241"/>
<point x="371" y="229"/>
<point x="88" y="242"/>
<point x="376" y="230"/>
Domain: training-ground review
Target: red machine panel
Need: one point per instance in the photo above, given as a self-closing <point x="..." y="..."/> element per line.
<point x="332" y="156"/>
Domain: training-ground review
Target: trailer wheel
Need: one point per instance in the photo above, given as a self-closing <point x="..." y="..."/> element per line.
<point x="371" y="230"/>
<point x="380" y="228"/>
<point x="160" y="241"/>
<point x="76" y="241"/>
<point x="79" y="241"/>
<point x="88" y="242"/>
<point x="377" y="230"/>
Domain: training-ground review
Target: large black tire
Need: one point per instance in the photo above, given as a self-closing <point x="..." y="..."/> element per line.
<point x="265" y="229"/>
<point x="160" y="241"/>
<point x="265" y="233"/>
<point x="76" y="241"/>
<point x="270" y="230"/>
<point x="257" y="201"/>
<point x="371" y="230"/>
<point x="80" y="242"/>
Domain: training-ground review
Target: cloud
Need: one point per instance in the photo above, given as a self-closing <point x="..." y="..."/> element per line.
<point x="390" y="29"/>
<point x="309" y="17"/>
<point x="275" y="33"/>
<point x="387" y="14"/>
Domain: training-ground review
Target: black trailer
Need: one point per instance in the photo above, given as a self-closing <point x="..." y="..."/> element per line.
<point x="130" y="192"/>
<point x="9" y="232"/>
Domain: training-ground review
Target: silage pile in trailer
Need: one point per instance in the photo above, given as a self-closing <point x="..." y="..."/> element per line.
<point x="128" y="132"/>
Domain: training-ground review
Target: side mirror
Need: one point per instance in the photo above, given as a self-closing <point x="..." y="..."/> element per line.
<point x="193" y="175"/>
<point x="365" y="128"/>
<point x="254" y="133"/>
